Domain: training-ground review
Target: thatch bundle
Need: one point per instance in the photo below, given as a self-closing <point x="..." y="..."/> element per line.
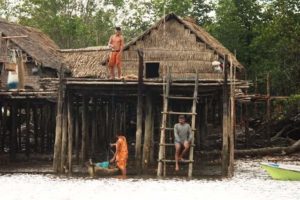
<point x="87" y="62"/>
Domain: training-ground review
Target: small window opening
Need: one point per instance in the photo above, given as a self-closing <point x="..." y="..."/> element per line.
<point x="152" y="70"/>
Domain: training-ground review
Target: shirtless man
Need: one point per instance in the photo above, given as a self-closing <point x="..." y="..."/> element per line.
<point x="116" y="43"/>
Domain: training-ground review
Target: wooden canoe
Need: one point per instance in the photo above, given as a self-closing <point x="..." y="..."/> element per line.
<point x="282" y="172"/>
<point x="95" y="171"/>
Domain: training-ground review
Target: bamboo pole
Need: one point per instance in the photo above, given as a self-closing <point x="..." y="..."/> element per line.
<point x="139" y="123"/>
<point x="58" y="129"/>
<point x="70" y="132"/>
<point x="148" y="131"/>
<point x="84" y="130"/>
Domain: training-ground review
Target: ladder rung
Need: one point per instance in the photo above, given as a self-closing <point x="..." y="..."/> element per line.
<point x="172" y="129"/>
<point x="173" y="161"/>
<point x="179" y="113"/>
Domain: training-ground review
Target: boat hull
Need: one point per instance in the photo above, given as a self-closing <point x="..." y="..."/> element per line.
<point x="278" y="173"/>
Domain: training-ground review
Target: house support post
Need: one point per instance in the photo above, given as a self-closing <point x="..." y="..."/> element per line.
<point x="148" y="132"/>
<point x="139" y="118"/>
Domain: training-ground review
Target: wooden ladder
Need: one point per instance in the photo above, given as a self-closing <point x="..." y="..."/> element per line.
<point x="162" y="161"/>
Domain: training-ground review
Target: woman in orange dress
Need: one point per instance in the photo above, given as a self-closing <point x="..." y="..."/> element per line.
<point x="121" y="153"/>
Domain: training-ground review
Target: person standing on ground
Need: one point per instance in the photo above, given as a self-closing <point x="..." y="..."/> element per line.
<point x="121" y="153"/>
<point x="116" y="43"/>
<point x="183" y="138"/>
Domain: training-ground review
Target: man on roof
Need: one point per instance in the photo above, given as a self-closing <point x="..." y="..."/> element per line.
<point x="116" y="43"/>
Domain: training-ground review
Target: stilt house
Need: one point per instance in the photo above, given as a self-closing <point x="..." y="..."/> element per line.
<point x="173" y="68"/>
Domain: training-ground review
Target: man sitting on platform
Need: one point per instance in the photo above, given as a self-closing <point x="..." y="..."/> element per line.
<point x="183" y="138"/>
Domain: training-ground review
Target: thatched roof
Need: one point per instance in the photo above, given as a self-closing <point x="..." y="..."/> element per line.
<point x="37" y="44"/>
<point x="86" y="62"/>
<point x="204" y="36"/>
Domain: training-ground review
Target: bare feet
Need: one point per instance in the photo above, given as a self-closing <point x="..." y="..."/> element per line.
<point x="177" y="168"/>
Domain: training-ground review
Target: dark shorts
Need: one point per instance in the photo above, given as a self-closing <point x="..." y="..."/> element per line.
<point x="180" y="142"/>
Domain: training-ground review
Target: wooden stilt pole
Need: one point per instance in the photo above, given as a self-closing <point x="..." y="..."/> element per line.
<point x="70" y="132"/>
<point x="94" y="126"/>
<point x="13" y="133"/>
<point x="268" y="114"/>
<point x="225" y="146"/>
<point x="4" y="126"/>
<point x="19" y="134"/>
<point x="139" y="120"/>
<point x="58" y="129"/>
<point x="27" y="128"/>
<point x="64" y="141"/>
<point x="42" y="128"/>
<point x="77" y="132"/>
<point x="148" y="132"/>
<point x="35" y="128"/>
<point x="152" y="161"/>
<point x="232" y="122"/>
<point x="84" y="130"/>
